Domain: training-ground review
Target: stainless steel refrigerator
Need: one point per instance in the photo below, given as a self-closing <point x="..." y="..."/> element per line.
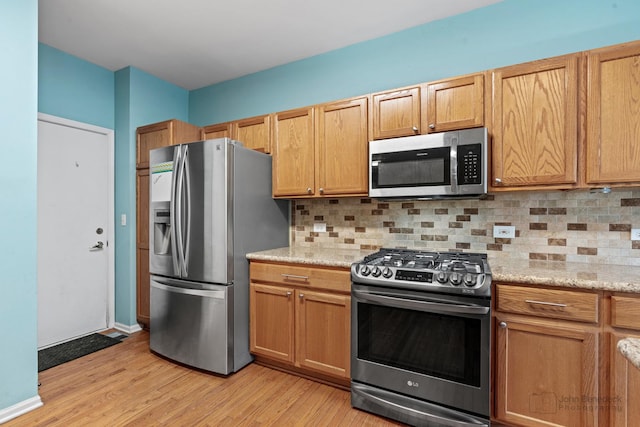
<point x="210" y="204"/>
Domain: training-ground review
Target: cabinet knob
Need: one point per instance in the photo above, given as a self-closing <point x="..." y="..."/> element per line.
<point x="432" y="126"/>
<point x="498" y="181"/>
<point x="301" y="296"/>
<point x="309" y="190"/>
<point x="503" y="325"/>
<point x="415" y="129"/>
<point x="321" y="190"/>
<point x="288" y="294"/>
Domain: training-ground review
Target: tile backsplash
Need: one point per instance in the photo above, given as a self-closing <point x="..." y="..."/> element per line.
<point x="573" y="226"/>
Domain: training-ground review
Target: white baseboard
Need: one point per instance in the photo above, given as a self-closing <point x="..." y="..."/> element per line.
<point x="127" y="329"/>
<point x="20" y="408"/>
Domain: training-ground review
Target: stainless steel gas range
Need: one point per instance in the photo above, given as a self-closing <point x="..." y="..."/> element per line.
<point x="420" y="337"/>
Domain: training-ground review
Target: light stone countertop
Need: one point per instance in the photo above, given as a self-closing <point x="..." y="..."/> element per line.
<point x="630" y="348"/>
<point x="551" y="273"/>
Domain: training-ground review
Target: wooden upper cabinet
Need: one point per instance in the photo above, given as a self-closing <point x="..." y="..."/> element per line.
<point x="452" y="104"/>
<point x="613" y="115"/>
<point x="395" y="113"/>
<point x="254" y="133"/>
<point x="535" y="124"/>
<point x="219" y="130"/>
<point x="162" y="134"/>
<point x="293" y="153"/>
<point x="342" y="148"/>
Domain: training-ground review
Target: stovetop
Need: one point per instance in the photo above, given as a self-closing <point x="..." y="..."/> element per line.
<point x="449" y="272"/>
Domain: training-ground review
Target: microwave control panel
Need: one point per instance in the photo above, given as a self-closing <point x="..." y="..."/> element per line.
<point x="469" y="164"/>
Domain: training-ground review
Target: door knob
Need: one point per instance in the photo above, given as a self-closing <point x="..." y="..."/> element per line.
<point x="98" y="245"/>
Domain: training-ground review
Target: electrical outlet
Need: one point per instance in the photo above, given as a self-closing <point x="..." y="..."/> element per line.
<point x="635" y="234"/>
<point x="319" y="227"/>
<point x="504" y="231"/>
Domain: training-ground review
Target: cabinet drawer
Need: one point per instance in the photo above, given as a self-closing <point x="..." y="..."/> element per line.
<point x="297" y="275"/>
<point x="549" y="303"/>
<point x="625" y="312"/>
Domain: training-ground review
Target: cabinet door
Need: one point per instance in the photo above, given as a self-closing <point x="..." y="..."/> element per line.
<point x="254" y="133"/>
<point x="613" y="115"/>
<point x="150" y="137"/>
<point x="323" y="332"/>
<point x="342" y="148"/>
<point x="544" y="373"/>
<point x="293" y="153"/>
<point x="142" y="208"/>
<point x="143" y="287"/>
<point x="271" y="316"/>
<point x="624" y="402"/>
<point x="396" y="113"/>
<point x="454" y="104"/>
<point x="535" y="134"/>
<point x="220" y="130"/>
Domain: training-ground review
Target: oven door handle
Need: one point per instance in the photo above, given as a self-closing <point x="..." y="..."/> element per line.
<point x="421" y="305"/>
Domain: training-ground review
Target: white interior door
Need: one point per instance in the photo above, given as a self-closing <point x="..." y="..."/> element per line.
<point x="75" y="221"/>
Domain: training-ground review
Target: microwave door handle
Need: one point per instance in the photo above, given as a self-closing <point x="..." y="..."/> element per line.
<point x="454" y="168"/>
<point x="173" y="211"/>
<point x="421" y="305"/>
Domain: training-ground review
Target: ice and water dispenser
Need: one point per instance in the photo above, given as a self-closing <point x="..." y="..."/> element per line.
<point x="162" y="232"/>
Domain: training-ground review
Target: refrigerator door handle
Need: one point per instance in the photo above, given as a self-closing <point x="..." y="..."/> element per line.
<point x="173" y="211"/>
<point x="179" y="213"/>
<point x="187" y="213"/>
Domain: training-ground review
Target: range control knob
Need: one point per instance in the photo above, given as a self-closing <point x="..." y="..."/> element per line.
<point x="365" y="271"/>
<point x="441" y="277"/>
<point x="387" y="273"/>
<point x="455" y="278"/>
<point x="376" y="272"/>
<point x="469" y="279"/>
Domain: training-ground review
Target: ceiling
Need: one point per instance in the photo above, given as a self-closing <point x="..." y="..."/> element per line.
<point x="196" y="43"/>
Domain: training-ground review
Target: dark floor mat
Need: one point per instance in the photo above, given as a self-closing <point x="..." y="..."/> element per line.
<point x="65" y="352"/>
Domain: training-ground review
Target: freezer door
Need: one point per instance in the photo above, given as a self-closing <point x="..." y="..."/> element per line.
<point x="205" y="211"/>
<point x="193" y="323"/>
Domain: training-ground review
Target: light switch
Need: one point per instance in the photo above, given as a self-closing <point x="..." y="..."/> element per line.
<point x="319" y="227"/>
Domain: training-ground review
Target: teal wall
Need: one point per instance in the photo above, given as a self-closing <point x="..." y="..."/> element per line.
<point x="18" y="217"/>
<point x="140" y="99"/>
<point x="75" y="89"/>
<point x="506" y="33"/>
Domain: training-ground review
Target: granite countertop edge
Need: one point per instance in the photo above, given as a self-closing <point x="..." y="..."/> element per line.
<point x="630" y="348"/>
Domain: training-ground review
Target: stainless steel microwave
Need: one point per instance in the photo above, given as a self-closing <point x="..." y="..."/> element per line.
<point x="439" y="165"/>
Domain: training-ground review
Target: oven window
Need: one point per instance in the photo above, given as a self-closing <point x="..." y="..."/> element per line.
<point x="442" y="346"/>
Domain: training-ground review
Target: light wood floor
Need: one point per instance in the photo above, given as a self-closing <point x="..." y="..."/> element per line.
<point x="127" y="385"/>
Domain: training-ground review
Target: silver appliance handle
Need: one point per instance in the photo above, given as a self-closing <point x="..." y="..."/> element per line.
<point x="179" y="212"/>
<point x="421" y="305"/>
<point x="187" y="180"/>
<point x="172" y="210"/>
<point x="186" y="291"/>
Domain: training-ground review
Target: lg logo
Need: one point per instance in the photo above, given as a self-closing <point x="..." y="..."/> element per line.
<point x="412" y="384"/>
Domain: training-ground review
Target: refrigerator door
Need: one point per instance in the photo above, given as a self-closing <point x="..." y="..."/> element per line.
<point x="193" y="323"/>
<point x="191" y="210"/>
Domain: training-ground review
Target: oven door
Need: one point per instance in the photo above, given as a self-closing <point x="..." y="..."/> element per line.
<point x="428" y="346"/>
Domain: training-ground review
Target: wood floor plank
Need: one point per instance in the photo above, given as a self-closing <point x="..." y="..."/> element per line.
<point x="128" y="385"/>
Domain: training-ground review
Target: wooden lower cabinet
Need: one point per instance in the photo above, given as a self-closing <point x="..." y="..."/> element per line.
<point x="297" y="324"/>
<point x="624" y="398"/>
<point x="143" y="287"/>
<point x="546" y="373"/>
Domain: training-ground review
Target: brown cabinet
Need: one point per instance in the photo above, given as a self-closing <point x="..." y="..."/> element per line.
<point x="219" y="130"/>
<point x="535" y="124"/>
<point x="293" y="153"/>
<point x="395" y="113"/>
<point x="613" y="115"/>
<point x="342" y="148"/>
<point x="456" y="103"/>
<point x="300" y="319"/>
<point x="152" y="136"/>
<point x="546" y="357"/>
<point x="624" y="377"/>
<point x="254" y="133"/>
